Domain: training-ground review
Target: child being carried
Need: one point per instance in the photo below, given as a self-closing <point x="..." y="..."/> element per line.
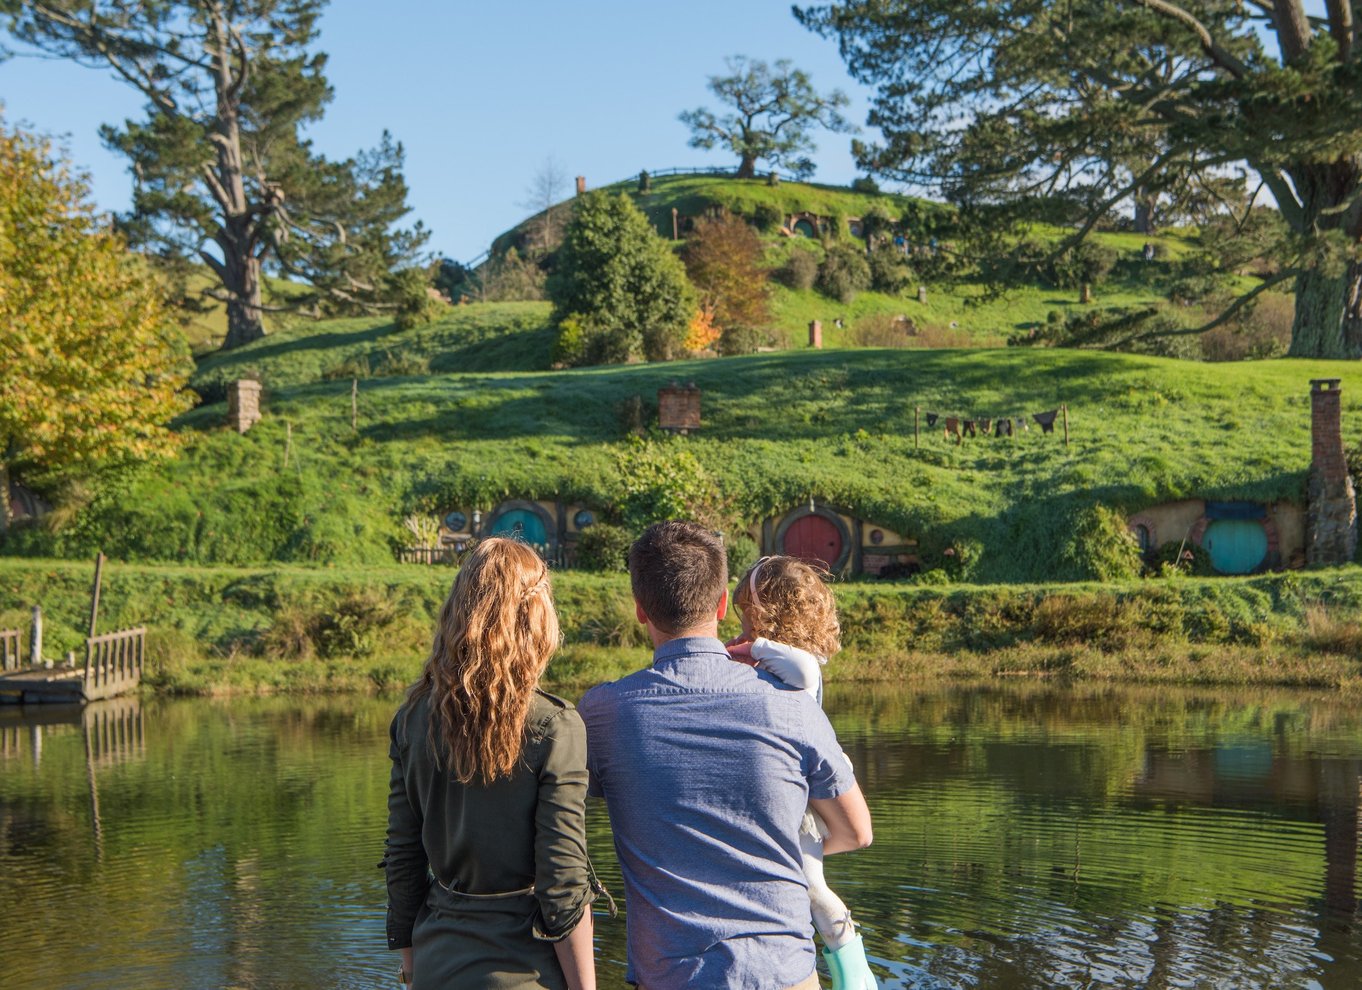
<point x="789" y="629"/>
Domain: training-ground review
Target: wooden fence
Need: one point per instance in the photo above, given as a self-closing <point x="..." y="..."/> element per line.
<point x="113" y="662"/>
<point x="9" y="649"/>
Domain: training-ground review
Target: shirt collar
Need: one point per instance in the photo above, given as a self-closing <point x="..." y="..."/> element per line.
<point x="689" y="646"/>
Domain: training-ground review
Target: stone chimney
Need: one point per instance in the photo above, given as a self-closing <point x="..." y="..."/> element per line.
<point x="1331" y="515"/>
<point x="243" y="404"/>
<point x="581" y="184"/>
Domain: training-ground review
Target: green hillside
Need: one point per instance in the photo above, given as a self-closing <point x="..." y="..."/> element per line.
<point x="778" y="428"/>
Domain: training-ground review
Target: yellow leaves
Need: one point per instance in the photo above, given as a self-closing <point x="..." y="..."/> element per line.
<point x="88" y="373"/>
<point x="702" y="332"/>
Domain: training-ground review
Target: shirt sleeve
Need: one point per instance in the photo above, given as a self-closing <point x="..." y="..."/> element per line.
<point x="562" y="872"/>
<point x="826" y="767"/>
<point x="793" y="666"/>
<point x="404" y="861"/>
<point x="593" y="749"/>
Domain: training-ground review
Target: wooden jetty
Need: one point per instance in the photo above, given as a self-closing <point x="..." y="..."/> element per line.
<point x="113" y="666"/>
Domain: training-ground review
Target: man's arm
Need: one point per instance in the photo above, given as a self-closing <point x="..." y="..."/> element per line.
<point x="847" y="818"/>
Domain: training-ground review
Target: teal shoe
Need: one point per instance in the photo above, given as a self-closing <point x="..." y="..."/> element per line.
<point x="849" y="968"/>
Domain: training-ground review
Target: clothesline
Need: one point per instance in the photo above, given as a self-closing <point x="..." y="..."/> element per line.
<point x="960" y="427"/>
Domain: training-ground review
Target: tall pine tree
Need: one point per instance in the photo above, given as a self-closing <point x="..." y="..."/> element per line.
<point x="222" y="172"/>
<point x="1094" y="103"/>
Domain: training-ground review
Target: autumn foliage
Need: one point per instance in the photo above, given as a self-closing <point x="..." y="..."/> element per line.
<point x="90" y="367"/>
<point x="724" y="261"/>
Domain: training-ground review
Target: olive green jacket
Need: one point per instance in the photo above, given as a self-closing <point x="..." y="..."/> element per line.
<point x="521" y="835"/>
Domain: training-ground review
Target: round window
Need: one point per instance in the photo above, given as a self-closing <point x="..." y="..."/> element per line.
<point x="877" y="536"/>
<point x="456" y="521"/>
<point x="584" y="518"/>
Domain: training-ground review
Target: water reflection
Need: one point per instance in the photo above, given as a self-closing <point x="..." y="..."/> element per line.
<point x="1026" y="836"/>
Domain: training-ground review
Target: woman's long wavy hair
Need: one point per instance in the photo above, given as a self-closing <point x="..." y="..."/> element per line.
<point x="495" y="635"/>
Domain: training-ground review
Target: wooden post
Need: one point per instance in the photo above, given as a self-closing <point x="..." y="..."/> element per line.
<point x="1065" y="410"/>
<point x="917" y="410"/>
<point x="922" y="294"/>
<point x="288" y="443"/>
<point x="35" y="644"/>
<point x="354" y="404"/>
<point x="676" y="234"/>
<point x="94" y="594"/>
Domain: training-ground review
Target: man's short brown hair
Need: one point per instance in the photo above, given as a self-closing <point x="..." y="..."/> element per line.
<point x="678" y="571"/>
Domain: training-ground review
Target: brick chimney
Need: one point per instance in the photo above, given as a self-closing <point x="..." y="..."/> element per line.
<point x="815" y="333"/>
<point x="581" y="184"/>
<point x="1331" y="515"/>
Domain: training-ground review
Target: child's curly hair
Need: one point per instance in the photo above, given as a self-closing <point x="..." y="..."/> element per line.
<point x="792" y="604"/>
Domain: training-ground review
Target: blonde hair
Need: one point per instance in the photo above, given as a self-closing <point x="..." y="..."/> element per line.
<point x="495" y="634"/>
<point x="788" y="600"/>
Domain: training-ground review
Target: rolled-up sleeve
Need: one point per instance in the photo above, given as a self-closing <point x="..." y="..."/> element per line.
<point x="826" y="767"/>
<point x="404" y="860"/>
<point x="562" y="871"/>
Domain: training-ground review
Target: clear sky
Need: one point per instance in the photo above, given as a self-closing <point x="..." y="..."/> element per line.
<point x="481" y="94"/>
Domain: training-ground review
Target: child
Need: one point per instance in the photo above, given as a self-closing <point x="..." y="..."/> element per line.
<point x="789" y="629"/>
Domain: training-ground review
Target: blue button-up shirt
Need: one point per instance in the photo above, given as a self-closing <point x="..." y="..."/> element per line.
<point x="706" y="766"/>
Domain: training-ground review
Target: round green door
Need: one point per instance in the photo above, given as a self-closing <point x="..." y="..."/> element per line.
<point x="523" y="524"/>
<point x="804" y="229"/>
<point x="1236" y="546"/>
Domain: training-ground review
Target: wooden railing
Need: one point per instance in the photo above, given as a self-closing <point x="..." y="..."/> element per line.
<point x="9" y="649"/>
<point x="114" y="661"/>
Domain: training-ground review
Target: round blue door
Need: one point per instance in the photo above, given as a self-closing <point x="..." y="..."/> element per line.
<point x="1236" y="546"/>
<point x="522" y="524"/>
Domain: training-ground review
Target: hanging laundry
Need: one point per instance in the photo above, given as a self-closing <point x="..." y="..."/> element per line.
<point x="967" y="428"/>
<point x="984" y="425"/>
<point x="1022" y="424"/>
<point x="1003" y="428"/>
<point x="932" y="418"/>
<point x="952" y="426"/>
<point x="1046" y="420"/>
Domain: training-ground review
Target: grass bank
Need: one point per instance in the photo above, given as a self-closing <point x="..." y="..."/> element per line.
<point x="295" y="629"/>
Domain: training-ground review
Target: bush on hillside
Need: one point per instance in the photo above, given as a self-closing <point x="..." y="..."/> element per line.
<point x="619" y="284"/>
<point x="416" y="306"/>
<point x="511" y="277"/>
<point x="724" y="261"/>
<point x="843" y="273"/>
<point x="882" y="330"/>
<point x="800" y="271"/>
<point x="1099" y="547"/>
<point x="742" y="553"/>
<point x="890" y="272"/>
<point x="767" y="218"/>
<point x="1088" y="262"/>
<point x="865" y="184"/>
<point x="661" y="479"/>
<point x="742" y="340"/>
<point x="604" y="547"/>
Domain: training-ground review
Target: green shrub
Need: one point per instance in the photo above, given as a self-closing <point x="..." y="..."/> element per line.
<point x="843" y="273"/>
<point x="890" y="272"/>
<point x="604" y="547"/>
<point x="1177" y="557"/>
<point x="1100" y="547"/>
<point x="800" y="271"/>
<point x="661" y="479"/>
<point x="742" y="553"/>
<point x="865" y="184"/>
<point x="767" y="218"/>
<point x="741" y="340"/>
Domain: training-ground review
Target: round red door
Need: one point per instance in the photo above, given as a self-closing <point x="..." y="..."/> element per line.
<point x="815" y="539"/>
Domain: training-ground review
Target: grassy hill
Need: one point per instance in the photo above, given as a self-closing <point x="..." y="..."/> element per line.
<point x="434" y="430"/>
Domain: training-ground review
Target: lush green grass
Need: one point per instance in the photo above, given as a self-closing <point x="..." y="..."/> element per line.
<point x="778" y="428"/>
<point x="293" y="628"/>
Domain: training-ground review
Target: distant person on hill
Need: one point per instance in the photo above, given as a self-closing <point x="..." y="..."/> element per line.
<point x="488" y="879"/>
<point x="706" y="767"/>
<point x="789" y="629"/>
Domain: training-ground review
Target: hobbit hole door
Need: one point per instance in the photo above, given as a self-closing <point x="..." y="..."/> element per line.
<point x="1236" y="546"/>
<point x="522" y="524"/>
<point x="815" y="539"/>
<point x="804" y="229"/>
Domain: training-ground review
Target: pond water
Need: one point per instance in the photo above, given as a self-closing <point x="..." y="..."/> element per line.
<point x="1026" y="835"/>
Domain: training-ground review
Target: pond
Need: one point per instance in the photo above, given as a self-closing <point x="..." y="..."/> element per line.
<point x="1026" y="835"/>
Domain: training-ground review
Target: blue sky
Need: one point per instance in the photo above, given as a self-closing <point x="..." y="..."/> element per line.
<point x="481" y="94"/>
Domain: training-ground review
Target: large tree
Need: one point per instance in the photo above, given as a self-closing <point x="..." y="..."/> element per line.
<point x="91" y="368"/>
<point x="222" y="173"/>
<point x="1100" y="102"/>
<point x="619" y="293"/>
<point x="771" y="115"/>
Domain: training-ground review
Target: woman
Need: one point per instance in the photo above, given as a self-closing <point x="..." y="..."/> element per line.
<point x="489" y="885"/>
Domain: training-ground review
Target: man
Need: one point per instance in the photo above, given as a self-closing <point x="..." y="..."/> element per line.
<point x="706" y="766"/>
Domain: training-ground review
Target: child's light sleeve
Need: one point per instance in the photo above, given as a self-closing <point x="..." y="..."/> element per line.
<point x="793" y="666"/>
